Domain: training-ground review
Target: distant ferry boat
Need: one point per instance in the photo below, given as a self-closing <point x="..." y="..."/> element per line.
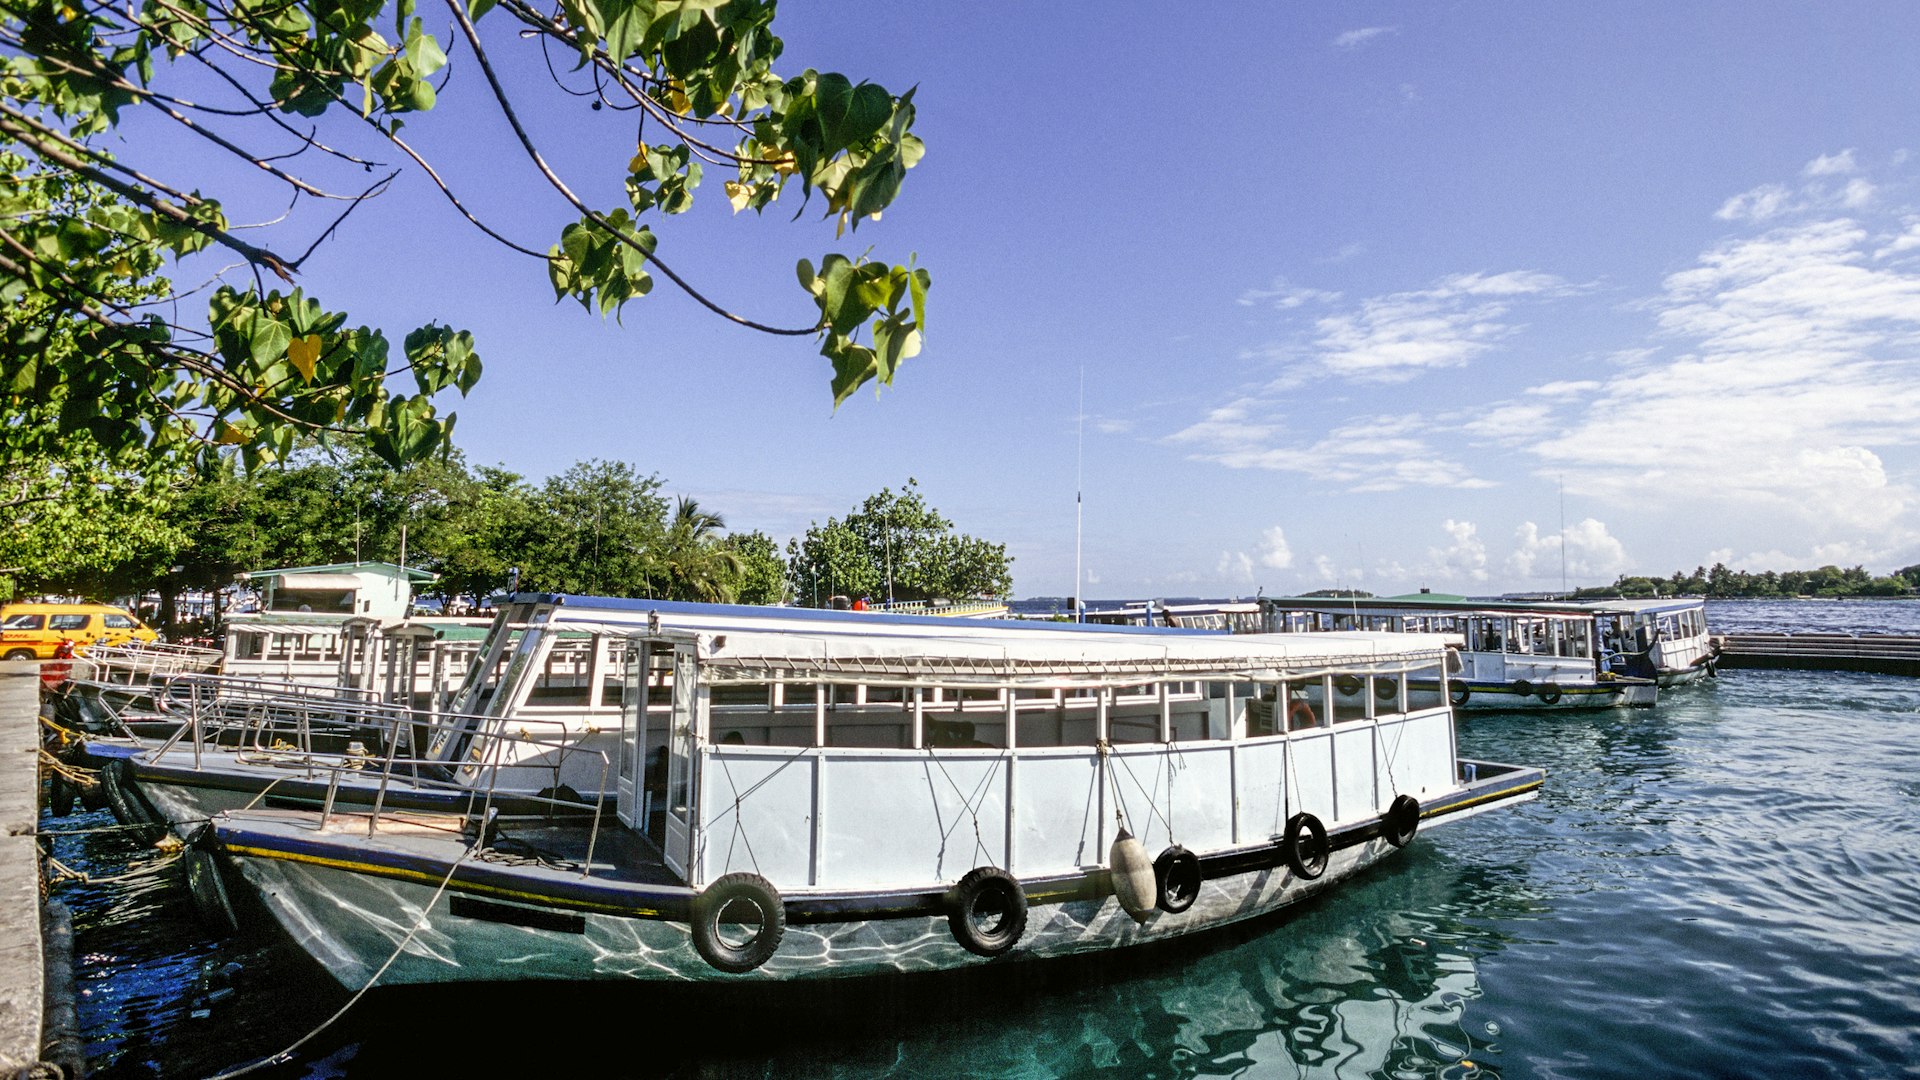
<point x="1664" y="639"/>
<point x="1507" y="654"/>
<point x="1510" y="654"/>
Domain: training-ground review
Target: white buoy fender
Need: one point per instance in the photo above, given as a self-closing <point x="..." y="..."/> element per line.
<point x="1133" y="882"/>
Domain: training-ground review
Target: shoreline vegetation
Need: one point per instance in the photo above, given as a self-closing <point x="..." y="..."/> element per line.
<point x="1720" y="583"/>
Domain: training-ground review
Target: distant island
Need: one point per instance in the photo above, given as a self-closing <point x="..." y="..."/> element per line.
<point x="1720" y="583"/>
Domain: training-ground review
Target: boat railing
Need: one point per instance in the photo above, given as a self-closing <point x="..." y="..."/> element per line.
<point x="949" y="608"/>
<point x="137" y="662"/>
<point x="378" y="743"/>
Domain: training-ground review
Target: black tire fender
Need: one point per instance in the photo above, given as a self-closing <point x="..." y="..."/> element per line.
<point x="1458" y="691"/>
<point x="128" y="805"/>
<point x="207" y="885"/>
<point x="1305" y="845"/>
<point x="1550" y="692"/>
<point x="1347" y="685"/>
<point x="1177" y="873"/>
<point x="972" y="904"/>
<point x="60" y="793"/>
<point x="1385" y="689"/>
<point x="1523" y="687"/>
<point x="1401" y="820"/>
<point x="738" y="899"/>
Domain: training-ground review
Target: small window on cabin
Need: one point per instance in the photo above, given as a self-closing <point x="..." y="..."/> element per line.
<point x="1388" y="693"/>
<point x="1350" y="693"/>
<point x="67" y="622"/>
<point x="24" y="622"/>
<point x="1264" y="710"/>
<point x="1052" y="717"/>
<point x="1133" y="714"/>
<point x="1307" y="704"/>
<point x="964" y="718"/>
<point x="741" y="714"/>
<point x="119" y="622"/>
<point x="1204" y="714"/>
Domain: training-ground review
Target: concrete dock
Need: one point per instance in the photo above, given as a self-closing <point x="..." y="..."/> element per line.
<point x="24" y="917"/>
<point x="1884" y="654"/>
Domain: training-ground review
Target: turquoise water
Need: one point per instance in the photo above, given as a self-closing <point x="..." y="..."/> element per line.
<point x="1726" y="885"/>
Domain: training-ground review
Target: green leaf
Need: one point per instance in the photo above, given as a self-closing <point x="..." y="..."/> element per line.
<point x="269" y="340"/>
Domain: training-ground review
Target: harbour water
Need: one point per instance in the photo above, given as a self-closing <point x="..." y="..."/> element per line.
<point x="1725" y="885"/>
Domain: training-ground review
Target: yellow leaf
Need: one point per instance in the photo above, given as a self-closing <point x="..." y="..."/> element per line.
<point x="739" y="195"/>
<point x="639" y="161"/>
<point x="303" y="353"/>
<point x="226" y="434"/>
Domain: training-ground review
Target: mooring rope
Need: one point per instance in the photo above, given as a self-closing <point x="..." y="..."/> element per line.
<point x="426" y="913"/>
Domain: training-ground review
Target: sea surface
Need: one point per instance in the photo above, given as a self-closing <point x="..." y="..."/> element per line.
<point x="1727" y="885"/>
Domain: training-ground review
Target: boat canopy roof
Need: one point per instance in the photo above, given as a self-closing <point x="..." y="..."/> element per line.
<point x="1428" y="602"/>
<point x="1076" y="657"/>
<point x="572" y="610"/>
<point x="1645" y="607"/>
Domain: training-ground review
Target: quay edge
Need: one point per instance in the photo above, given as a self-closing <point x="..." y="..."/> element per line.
<point x="26" y="958"/>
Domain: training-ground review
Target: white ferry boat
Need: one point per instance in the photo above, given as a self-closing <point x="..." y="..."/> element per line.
<point x="1508" y="654"/>
<point x="1665" y="640"/>
<point x="811" y="800"/>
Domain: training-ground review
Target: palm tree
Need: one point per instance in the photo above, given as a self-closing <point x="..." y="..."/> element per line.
<point x="695" y="565"/>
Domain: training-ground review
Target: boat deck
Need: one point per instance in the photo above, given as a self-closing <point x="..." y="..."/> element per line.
<point x="613" y="855"/>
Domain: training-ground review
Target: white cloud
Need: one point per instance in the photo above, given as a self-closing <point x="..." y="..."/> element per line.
<point x="1763" y="202"/>
<point x="1353" y="39"/>
<point x="1801" y="369"/>
<point x="1283" y="296"/>
<point x="1464" y="558"/>
<point x="1274" y="552"/>
<point x="1830" y="164"/>
<point x="1381" y="453"/>
<point x="1398" y="336"/>
<point x="1818" y="193"/>
<point x="1591" y="553"/>
<point x="1234" y="566"/>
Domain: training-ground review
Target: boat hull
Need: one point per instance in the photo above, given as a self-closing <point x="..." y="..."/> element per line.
<point x="364" y="916"/>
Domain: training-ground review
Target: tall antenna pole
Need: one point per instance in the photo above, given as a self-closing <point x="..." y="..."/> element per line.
<point x="1079" y="473"/>
<point x="1561" y="483"/>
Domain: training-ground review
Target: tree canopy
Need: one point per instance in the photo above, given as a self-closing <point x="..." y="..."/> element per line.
<point x="1719" y="581"/>
<point x="895" y="547"/>
<point x="311" y="98"/>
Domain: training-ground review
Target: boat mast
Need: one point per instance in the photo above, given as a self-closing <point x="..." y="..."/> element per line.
<point x="1561" y="484"/>
<point x="1079" y="473"/>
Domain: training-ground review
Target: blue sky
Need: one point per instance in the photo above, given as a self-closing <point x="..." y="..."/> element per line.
<point x="1378" y="295"/>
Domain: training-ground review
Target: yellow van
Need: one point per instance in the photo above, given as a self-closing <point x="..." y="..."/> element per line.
<point x="34" y="631"/>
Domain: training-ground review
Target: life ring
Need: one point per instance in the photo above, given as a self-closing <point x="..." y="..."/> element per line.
<point x="1385" y="690"/>
<point x="1523" y="687"/>
<point x="1550" y="692"/>
<point x="987" y="911"/>
<point x="1458" y="691"/>
<point x="1177" y="872"/>
<point x="128" y="805"/>
<point x="206" y="887"/>
<point x="1305" y="844"/>
<point x="1300" y="715"/>
<point x="721" y="906"/>
<point x="1402" y="819"/>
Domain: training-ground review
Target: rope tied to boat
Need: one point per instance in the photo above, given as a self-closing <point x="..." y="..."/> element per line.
<point x="426" y="912"/>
